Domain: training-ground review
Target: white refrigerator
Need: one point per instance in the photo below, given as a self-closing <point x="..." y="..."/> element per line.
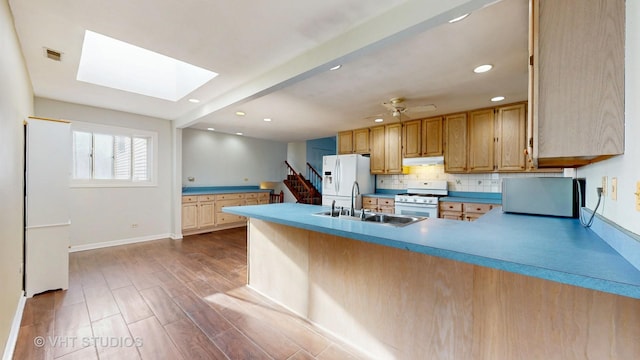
<point x="47" y="219"/>
<point x="339" y="172"/>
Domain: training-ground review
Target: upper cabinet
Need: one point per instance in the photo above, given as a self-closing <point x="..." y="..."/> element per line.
<point x="455" y="143"/>
<point x="386" y="149"/>
<point x="481" y="140"/>
<point x="422" y="137"/>
<point x="510" y="137"/>
<point x="576" y="95"/>
<point x="354" y="141"/>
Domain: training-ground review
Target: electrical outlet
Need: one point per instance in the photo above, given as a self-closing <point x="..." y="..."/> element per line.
<point x="134" y="226"/>
<point x="614" y="188"/>
<point x="604" y="186"/>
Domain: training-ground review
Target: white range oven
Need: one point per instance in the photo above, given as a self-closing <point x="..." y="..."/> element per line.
<point x="421" y="198"/>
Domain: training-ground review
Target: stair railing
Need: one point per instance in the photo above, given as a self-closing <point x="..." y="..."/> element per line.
<point x="308" y="199"/>
<point x="314" y="177"/>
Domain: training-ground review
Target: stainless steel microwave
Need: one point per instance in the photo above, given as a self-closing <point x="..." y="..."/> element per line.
<point x="552" y="196"/>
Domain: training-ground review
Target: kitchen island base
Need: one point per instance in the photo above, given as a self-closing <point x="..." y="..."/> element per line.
<point x="397" y="304"/>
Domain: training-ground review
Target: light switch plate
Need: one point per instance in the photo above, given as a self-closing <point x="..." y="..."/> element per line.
<point x="604" y="186"/>
<point x="638" y="196"/>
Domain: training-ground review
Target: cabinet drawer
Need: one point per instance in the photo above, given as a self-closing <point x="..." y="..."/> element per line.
<point x="263" y="196"/>
<point x="251" y="195"/>
<point x="450" y="206"/>
<point x="206" y="197"/>
<point x="189" y="199"/>
<point x="228" y="218"/>
<point x="251" y="202"/>
<point x="222" y="203"/>
<point x="386" y="202"/>
<point x="229" y="196"/>
<point x="476" y="208"/>
<point x="369" y="201"/>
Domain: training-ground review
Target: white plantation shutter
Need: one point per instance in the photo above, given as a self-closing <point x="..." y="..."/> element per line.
<point x="113" y="156"/>
<point x="122" y="158"/>
<point x="140" y="159"/>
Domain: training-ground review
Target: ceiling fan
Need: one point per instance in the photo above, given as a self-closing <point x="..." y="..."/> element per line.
<point x="398" y="108"/>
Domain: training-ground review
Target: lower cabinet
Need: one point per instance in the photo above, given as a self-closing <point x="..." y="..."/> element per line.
<point x="378" y="204"/>
<point x="464" y="211"/>
<point x="203" y="213"/>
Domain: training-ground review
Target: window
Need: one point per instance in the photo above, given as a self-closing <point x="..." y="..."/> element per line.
<point x="110" y="156"/>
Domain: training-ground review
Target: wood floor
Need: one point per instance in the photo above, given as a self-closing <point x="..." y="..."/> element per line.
<point x="167" y="299"/>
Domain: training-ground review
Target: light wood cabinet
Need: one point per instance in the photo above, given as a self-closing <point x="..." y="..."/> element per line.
<point x="203" y="213"/>
<point x="576" y="97"/>
<point x="464" y="211"/>
<point x="481" y="140"/>
<point x="345" y="142"/>
<point x="422" y="137"/>
<point x="189" y="213"/>
<point x="361" y="141"/>
<point x="378" y="204"/>
<point x="432" y="136"/>
<point x="354" y="141"/>
<point x="511" y="138"/>
<point x="455" y="143"/>
<point x="386" y="149"/>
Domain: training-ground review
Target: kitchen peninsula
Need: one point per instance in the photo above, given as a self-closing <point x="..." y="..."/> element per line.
<point x="500" y="287"/>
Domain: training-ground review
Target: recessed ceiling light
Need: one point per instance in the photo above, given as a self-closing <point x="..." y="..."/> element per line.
<point x="458" y="18"/>
<point x="119" y="65"/>
<point x="238" y="133"/>
<point x="240" y="113"/>
<point x="195" y="101"/>
<point x="335" y="67"/>
<point x="210" y="129"/>
<point x="267" y="119"/>
<point x="482" y="68"/>
<point x="497" y="98"/>
<point x="378" y="120"/>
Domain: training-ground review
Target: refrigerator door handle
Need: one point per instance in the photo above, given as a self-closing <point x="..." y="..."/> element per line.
<point x="337" y="176"/>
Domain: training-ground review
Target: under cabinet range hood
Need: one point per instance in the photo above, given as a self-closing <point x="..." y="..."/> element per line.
<point x="431" y="160"/>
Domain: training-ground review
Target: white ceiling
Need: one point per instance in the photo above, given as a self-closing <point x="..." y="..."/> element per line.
<point x="273" y="57"/>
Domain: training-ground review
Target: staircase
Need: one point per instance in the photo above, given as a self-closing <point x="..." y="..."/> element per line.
<point x="304" y="190"/>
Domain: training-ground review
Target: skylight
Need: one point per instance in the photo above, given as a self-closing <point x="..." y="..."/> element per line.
<point x="116" y="64"/>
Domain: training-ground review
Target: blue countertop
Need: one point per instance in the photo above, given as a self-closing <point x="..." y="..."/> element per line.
<point x="473" y="197"/>
<point x="206" y="190"/>
<point x="556" y="249"/>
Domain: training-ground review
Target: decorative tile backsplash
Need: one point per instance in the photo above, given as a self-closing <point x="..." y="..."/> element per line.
<point x="457" y="182"/>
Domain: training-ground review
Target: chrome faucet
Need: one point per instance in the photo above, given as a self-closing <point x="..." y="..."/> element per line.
<point x="353" y="187"/>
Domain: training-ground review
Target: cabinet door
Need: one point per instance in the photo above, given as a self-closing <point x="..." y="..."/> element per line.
<point x="190" y="216"/>
<point x="577" y="94"/>
<point x="393" y="147"/>
<point x="411" y="139"/>
<point x="511" y="136"/>
<point x="376" y="163"/>
<point x="455" y="147"/>
<point x="206" y="214"/>
<point x="432" y="137"/>
<point x="481" y="140"/>
<point x="361" y="141"/>
<point x="345" y="142"/>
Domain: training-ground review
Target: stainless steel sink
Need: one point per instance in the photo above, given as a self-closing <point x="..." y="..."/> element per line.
<point x="378" y="218"/>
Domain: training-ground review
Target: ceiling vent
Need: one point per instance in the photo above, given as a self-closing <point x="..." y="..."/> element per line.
<point x="53" y="54"/>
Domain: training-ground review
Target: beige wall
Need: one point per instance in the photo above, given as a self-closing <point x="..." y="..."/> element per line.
<point x="16" y="103"/>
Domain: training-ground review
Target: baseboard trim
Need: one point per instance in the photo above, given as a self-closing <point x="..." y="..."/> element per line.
<point x="15" y="329"/>
<point x="100" y="245"/>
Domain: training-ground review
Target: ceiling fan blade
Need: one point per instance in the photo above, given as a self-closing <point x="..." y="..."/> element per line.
<point x="420" y="109"/>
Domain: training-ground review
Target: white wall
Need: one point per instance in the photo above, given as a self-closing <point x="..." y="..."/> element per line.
<point x="16" y="103"/>
<point x="216" y="159"/>
<point x="102" y="215"/>
<point x="625" y="167"/>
